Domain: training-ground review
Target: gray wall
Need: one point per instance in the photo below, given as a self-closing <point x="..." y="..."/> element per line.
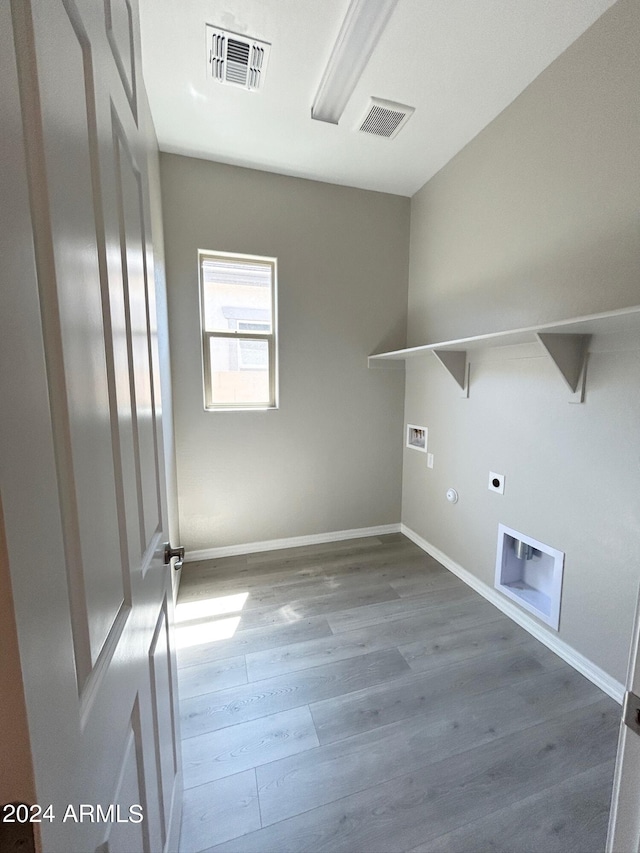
<point x="537" y="220"/>
<point x="330" y="458"/>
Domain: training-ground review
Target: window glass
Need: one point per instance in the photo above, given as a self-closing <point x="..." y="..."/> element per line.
<point x="238" y="331"/>
<point x="236" y="292"/>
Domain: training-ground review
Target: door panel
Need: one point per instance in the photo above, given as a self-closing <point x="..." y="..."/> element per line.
<point x="139" y="344"/>
<point x="164" y="728"/>
<point x="120" y="32"/>
<point x="118" y="311"/>
<point x="84" y="430"/>
<point x="108" y="736"/>
<point x="133" y="835"/>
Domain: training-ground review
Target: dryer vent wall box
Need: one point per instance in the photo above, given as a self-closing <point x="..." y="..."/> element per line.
<point x="530" y="573"/>
<point x="417" y="437"/>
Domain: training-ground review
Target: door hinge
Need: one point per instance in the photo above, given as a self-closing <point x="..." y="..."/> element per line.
<point x="170" y="553"/>
<point x="631" y="711"/>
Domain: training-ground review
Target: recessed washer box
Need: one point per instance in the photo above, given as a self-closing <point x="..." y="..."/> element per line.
<point x="417" y="437"/>
<point x="530" y="573"/>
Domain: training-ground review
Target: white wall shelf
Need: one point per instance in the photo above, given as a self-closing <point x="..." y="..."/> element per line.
<point x="566" y="342"/>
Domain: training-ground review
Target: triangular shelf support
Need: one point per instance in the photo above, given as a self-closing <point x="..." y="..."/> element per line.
<point x="455" y="362"/>
<point x="569" y="354"/>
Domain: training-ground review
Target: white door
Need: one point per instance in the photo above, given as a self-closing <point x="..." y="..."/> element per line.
<point x="624" y="821"/>
<point x="81" y="466"/>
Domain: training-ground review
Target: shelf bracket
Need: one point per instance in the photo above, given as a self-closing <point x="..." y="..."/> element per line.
<point x="455" y="362"/>
<point x="569" y="354"/>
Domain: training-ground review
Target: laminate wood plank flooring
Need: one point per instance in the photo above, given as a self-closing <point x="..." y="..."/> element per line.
<point x="560" y="818"/>
<point x="214" y="755"/>
<point x="387" y="631"/>
<point x="408" y="810"/>
<point x="198" y="679"/>
<point x="317" y="580"/>
<point x="223" y="809"/>
<point x="318" y="605"/>
<point x="211" y="711"/>
<point x="423" y="694"/>
<point x="335" y="770"/>
<point x="210" y="647"/>
<point x="355" y="696"/>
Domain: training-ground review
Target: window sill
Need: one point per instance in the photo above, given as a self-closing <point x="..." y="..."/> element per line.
<point x="241" y="408"/>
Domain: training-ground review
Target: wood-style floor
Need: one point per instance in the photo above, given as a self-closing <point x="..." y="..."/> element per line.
<point x="366" y="700"/>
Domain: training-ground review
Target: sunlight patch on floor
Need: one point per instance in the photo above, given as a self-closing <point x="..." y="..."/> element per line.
<point x="206" y="632"/>
<point x="207" y="621"/>
<point x="187" y="611"/>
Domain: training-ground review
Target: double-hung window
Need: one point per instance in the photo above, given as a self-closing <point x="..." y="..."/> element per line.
<point x="238" y="318"/>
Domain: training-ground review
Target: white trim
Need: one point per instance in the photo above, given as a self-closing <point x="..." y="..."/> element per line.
<point x="583" y="665"/>
<point x="291" y="542"/>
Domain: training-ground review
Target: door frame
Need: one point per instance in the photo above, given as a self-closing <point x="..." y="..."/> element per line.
<point x="624" y="815"/>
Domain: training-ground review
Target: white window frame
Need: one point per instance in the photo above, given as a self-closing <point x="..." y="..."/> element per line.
<point x="233" y="334"/>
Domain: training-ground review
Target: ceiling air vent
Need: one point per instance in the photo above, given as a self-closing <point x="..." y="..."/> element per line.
<point x="385" y="118"/>
<point x="235" y="59"/>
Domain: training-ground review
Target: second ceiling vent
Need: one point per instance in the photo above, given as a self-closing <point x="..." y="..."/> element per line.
<point x="235" y="59"/>
<point x="385" y="118"/>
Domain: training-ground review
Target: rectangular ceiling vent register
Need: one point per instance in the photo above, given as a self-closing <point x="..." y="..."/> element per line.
<point x="385" y="118"/>
<point x="236" y="60"/>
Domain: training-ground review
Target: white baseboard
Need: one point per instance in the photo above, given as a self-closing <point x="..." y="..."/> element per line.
<point x="583" y="665"/>
<point x="291" y="542"/>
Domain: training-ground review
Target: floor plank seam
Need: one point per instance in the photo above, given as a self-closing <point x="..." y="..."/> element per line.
<point x="255" y="776"/>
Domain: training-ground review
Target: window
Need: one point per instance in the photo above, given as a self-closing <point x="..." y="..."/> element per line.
<point x="238" y="317"/>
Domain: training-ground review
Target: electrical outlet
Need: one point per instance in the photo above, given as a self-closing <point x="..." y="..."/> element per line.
<point x="429" y="460"/>
<point x="496" y="482"/>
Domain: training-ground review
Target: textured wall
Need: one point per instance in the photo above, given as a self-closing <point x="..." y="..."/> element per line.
<point x="330" y="457"/>
<point x="537" y="220"/>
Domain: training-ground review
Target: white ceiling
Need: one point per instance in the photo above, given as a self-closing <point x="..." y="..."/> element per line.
<point x="458" y="62"/>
